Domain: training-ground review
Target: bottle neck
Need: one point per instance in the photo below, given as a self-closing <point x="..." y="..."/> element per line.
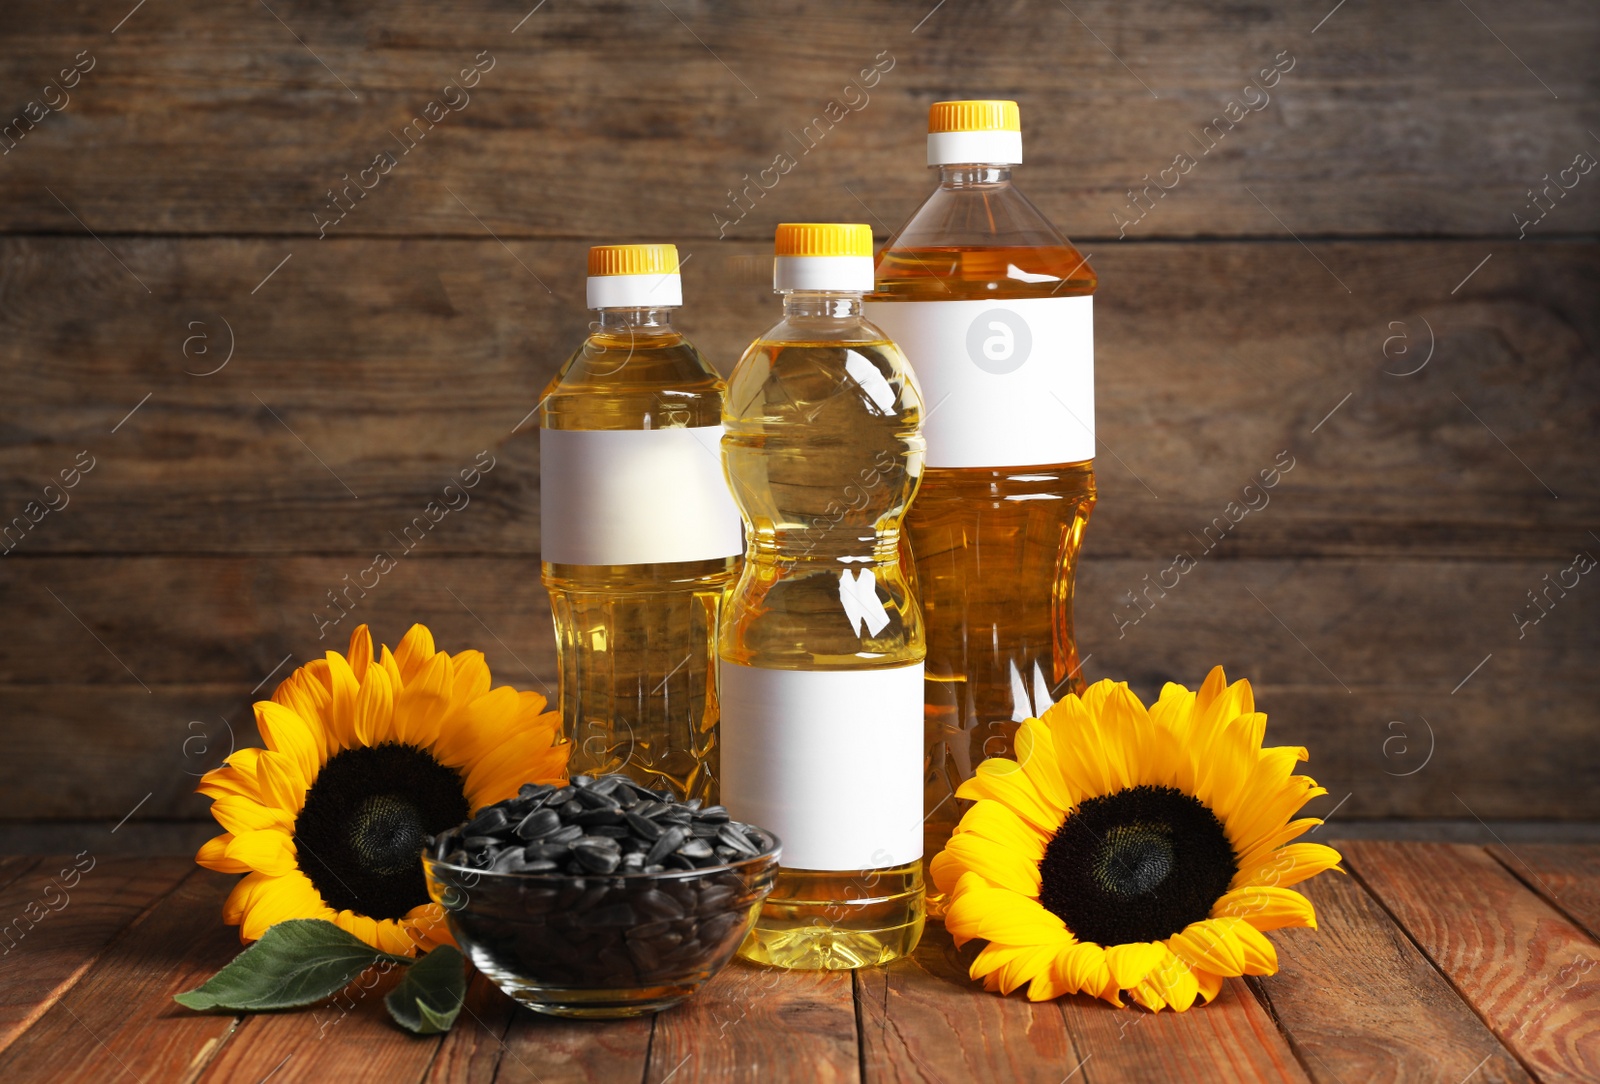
<point x="640" y="319"/>
<point x="973" y="175"/>
<point x="838" y="304"/>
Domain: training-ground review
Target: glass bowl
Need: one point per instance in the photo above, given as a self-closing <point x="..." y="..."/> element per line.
<point x="604" y="945"/>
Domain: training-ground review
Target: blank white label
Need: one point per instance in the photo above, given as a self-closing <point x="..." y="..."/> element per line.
<point x="1006" y="383"/>
<point x="830" y="760"/>
<point x="634" y="497"/>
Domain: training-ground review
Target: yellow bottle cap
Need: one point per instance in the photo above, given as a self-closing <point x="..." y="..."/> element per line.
<point x="823" y="239"/>
<point x="634" y="276"/>
<point x="982" y="132"/>
<point x="633" y="260"/>
<point x="823" y="256"/>
<point x="974" y="116"/>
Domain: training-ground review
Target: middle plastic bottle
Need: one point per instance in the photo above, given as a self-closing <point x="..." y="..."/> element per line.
<point x="821" y="642"/>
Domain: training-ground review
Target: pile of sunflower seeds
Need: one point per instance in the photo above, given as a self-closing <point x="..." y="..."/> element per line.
<point x="593" y="927"/>
<point x="603" y="825"/>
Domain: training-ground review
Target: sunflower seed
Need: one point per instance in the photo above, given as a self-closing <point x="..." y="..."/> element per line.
<point x="541" y="822"/>
<point x="618" y="832"/>
<point x="695" y="848"/>
<point x="595" y="799"/>
<point x="535" y="790"/>
<point x="569" y="833"/>
<point x="703" y="830"/>
<point x="598" y="861"/>
<point x="644" y="826"/>
<point x="479" y="843"/>
<point x="610" y="815"/>
<point x="713" y="813"/>
<point x="670" y="841"/>
<point x="545" y="851"/>
<point x="488" y="822"/>
<point x="732" y="837"/>
<point x="581" y="780"/>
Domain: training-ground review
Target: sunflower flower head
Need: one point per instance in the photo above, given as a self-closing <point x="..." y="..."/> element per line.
<point x="365" y="757"/>
<point x="1133" y="850"/>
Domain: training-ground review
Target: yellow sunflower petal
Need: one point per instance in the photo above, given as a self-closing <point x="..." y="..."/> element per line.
<point x="1082" y="968"/>
<point x="995" y="914"/>
<point x="1005" y="782"/>
<point x="226" y="780"/>
<point x="360" y="926"/>
<point x="1210" y="944"/>
<point x="213" y="854"/>
<point x="360" y="653"/>
<point x="306" y="694"/>
<point x="1036" y="753"/>
<point x="285" y="732"/>
<point x="1173" y="981"/>
<point x="1131" y="963"/>
<point x="1146" y="995"/>
<point x="472" y="675"/>
<point x="237" y="814"/>
<point x="278" y="899"/>
<point x="1260" y="958"/>
<point x="374" y="714"/>
<point x="1289" y="865"/>
<point x="425" y="924"/>
<point x="1266" y="907"/>
<point x="415" y="651"/>
<point x="479" y="726"/>
<point x="424" y="703"/>
<point x="996" y="822"/>
<point x="344" y="689"/>
<point x="268" y="851"/>
<point x="243" y="897"/>
<point x="279" y="782"/>
<point x="1001" y="868"/>
<point x="1210" y="984"/>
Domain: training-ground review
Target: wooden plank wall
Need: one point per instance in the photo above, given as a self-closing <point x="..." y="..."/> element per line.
<point x="1384" y="272"/>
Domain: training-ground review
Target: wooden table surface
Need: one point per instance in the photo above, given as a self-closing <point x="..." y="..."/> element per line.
<point x="1439" y="962"/>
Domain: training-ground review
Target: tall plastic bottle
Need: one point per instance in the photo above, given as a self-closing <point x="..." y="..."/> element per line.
<point x="993" y="306"/>
<point x="821" y="643"/>
<point x="639" y="534"/>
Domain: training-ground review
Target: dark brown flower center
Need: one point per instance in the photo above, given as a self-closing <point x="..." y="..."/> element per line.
<point x="361" y="832"/>
<point x="1137" y="865"/>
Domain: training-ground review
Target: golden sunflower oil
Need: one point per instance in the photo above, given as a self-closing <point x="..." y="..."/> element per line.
<point x="639" y="535"/>
<point x="993" y="306"/>
<point x="821" y="641"/>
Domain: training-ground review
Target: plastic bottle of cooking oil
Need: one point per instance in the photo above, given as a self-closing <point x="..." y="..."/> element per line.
<point x="639" y="534"/>
<point x="993" y="306"/>
<point x="821" y="643"/>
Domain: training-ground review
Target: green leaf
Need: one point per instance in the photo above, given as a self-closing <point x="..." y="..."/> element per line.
<point x="429" y="998"/>
<point x="297" y="962"/>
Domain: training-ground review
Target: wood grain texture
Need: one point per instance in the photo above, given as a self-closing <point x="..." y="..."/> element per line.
<point x="1232" y="1039"/>
<point x="348" y="1037"/>
<point x="1529" y="973"/>
<point x="546" y="1050"/>
<point x="206" y="124"/>
<point x="120" y="1019"/>
<point x="1400" y="635"/>
<point x="388" y="366"/>
<point x="1567" y="876"/>
<point x="1360" y="1003"/>
<point x="58" y="918"/>
<point x="760" y="1023"/>
<point x="923" y="1020"/>
<point x="470" y="1053"/>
